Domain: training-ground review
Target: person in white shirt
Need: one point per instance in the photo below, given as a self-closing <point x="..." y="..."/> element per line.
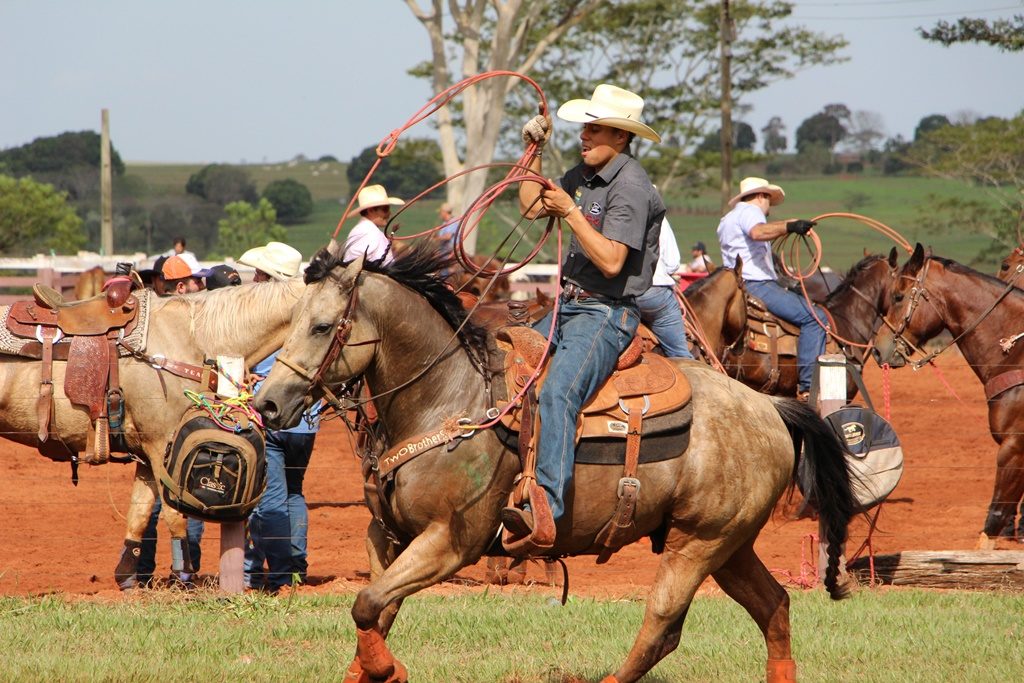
<point x="746" y="232"/>
<point x="367" y="236"/>
<point x="700" y="261"/>
<point x="659" y="309"/>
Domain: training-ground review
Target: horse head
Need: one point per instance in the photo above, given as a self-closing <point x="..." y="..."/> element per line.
<point x="1012" y="265"/>
<point x="908" y="322"/>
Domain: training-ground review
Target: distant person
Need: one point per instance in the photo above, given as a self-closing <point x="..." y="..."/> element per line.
<point x="275" y="261"/>
<point x="746" y="232"/>
<point x="700" y="262"/>
<point x="367" y="236"/>
<point x="223" y="276"/>
<point x="178" y="249"/>
<point x="445" y="237"/>
<point x="183" y="275"/>
<point x="659" y="308"/>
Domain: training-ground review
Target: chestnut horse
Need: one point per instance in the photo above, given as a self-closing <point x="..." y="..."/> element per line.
<point x="90" y="283"/>
<point x="984" y="315"/>
<point x="856" y="306"/>
<point x="1009" y="265"/>
<point x="403" y="330"/>
<point x="248" y="320"/>
<point x="718" y="304"/>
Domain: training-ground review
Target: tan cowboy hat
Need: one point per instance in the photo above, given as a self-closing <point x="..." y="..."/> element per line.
<point x="752" y="185"/>
<point x="610" y="106"/>
<point x="375" y="195"/>
<point x="277" y="259"/>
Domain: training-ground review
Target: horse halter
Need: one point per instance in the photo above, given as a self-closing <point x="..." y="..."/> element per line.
<point x="902" y="345"/>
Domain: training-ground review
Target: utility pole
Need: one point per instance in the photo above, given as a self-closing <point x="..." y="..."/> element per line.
<point x="725" y="44"/>
<point x="106" y="209"/>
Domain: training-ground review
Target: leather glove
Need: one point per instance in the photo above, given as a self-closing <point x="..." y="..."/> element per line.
<point x="799" y="226"/>
<point x="537" y="130"/>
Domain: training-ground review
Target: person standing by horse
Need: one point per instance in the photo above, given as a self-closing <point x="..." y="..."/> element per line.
<point x="659" y="308"/>
<point x="614" y="213"/>
<point x="746" y="232"/>
<point x="277" y="547"/>
<point x="367" y="236"/>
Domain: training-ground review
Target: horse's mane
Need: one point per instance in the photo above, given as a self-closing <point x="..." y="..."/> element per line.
<point x="701" y="283"/>
<point x="420" y="270"/>
<point x="847" y="282"/>
<point x="961" y="269"/>
<point x="231" y="311"/>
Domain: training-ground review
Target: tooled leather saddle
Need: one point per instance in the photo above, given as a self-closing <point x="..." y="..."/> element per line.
<point x="84" y="334"/>
<point x="643" y="385"/>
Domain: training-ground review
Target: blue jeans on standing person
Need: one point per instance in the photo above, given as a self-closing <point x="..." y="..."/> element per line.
<point x="660" y="311"/>
<point x="147" y="551"/>
<point x="793" y="308"/>
<point x="589" y="337"/>
<point x="276" y="548"/>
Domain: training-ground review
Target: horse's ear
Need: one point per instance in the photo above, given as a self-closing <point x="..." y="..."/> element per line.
<point x="916" y="259"/>
<point x="333" y="248"/>
<point x="351" y="274"/>
<point x="893" y="258"/>
<point x="866" y="252"/>
<point x="739" y="267"/>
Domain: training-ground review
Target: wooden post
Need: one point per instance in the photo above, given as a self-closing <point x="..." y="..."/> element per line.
<point x="725" y="74"/>
<point x="232" y="534"/>
<point x="831" y="382"/>
<point x="106" y="208"/>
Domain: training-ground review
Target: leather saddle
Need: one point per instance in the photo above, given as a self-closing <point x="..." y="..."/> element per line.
<point x="767" y="333"/>
<point x="84" y="334"/>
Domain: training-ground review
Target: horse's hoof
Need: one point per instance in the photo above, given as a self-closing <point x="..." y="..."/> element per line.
<point x="609" y="679"/>
<point x="128" y="583"/>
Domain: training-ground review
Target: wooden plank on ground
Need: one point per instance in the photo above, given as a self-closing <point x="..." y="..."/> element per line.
<point x="965" y="569"/>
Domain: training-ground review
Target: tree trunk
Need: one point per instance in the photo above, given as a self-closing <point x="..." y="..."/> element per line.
<point x="725" y="32"/>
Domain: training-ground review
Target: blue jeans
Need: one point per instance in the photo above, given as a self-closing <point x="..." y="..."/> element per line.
<point x="589" y="336"/>
<point x="660" y="311"/>
<point x="277" y="527"/>
<point x="147" y="551"/>
<point x="793" y="308"/>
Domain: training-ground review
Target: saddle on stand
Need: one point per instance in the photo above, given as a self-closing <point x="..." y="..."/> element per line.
<point x="644" y="385"/>
<point x="85" y="335"/>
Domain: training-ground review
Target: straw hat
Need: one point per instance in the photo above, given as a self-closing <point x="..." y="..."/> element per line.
<point x="752" y="185"/>
<point x="375" y="195"/>
<point x="610" y="106"/>
<point x="277" y="259"/>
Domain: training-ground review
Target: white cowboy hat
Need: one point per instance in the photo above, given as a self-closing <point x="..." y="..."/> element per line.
<point x="610" y="106"/>
<point x="752" y="185"/>
<point x="375" y="195"/>
<point x="277" y="259"/>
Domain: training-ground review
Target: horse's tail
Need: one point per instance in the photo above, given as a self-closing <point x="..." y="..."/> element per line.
<point x="824" y="479"/>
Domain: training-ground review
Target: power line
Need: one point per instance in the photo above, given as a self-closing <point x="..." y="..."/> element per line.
<point x="908" y="16"/>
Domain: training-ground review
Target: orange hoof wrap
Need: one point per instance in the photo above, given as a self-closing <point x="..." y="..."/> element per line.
<point x="609" y="679"/>
<point x="781" y="671"/>
<point x="355" y="673"/>
<point x="373" y="654"/>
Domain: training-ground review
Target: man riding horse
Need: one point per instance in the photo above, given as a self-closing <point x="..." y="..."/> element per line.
<point x="615" y="215"/>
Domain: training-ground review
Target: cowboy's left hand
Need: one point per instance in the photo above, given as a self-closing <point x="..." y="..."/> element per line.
<point x="557" y="202"/>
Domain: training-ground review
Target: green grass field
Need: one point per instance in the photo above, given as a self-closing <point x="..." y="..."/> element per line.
<point x="876" y="636"/>
<point x="900" y="202"/>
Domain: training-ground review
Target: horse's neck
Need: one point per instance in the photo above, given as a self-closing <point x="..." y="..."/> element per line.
<point x="711" y="308"/>
<point x="417" y="393"/>
<point x="962" y="302"/>
<point x="855" y="317"/>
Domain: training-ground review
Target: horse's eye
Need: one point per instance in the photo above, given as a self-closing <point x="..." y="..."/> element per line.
<point x="897" y="297"/>
<point x="322" y="328"/>
<point x="1005" y="266"/>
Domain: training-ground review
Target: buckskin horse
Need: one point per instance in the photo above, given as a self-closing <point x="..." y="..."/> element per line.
<point x="404" y="332"/>
<point x="986" y="318"/>
<point x="181" y="331"/>
<point x="856" y="307"/>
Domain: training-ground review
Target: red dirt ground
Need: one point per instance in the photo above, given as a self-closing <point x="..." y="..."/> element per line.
<point x="59" y="538"/>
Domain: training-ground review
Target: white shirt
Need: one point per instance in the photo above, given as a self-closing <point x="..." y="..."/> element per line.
<point x="734" y="236"/>
<point x="668" y="257"/>
<point x="367" y="238"/>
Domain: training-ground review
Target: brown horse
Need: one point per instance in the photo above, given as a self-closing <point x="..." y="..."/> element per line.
<point x="856" y="307"/>
<point x="403" y="331"/>
<point x="1008" y="268"/>
<point x="720" y="311"/>
<point x="90" y="283"/>
<point x="249" y="321"/>
<point x="933" y="294"/>
<point x="486" y="289"/>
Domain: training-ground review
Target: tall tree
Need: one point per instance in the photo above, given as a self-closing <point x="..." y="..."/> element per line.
<point x="665" y="50"/>
<point x="1005" y="34"/>
<point x="930" y="123"/>
<point x="866" y="131"/>
<point x="245" y="226"/>
<point x="35" y="216"/>
<point x="824" y="128"/>
<point x="774" y="138"/>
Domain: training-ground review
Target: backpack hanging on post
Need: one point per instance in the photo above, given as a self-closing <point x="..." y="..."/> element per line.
<point x="215" y="469"/>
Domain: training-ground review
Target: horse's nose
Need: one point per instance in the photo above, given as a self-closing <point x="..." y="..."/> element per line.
<point x="268" y="409"/>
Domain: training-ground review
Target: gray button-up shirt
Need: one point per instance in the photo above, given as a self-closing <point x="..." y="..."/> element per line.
<point x="620" y="203"/>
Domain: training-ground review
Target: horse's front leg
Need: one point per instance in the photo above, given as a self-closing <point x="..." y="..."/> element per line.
<point x="1009" y="488"/>
<point x="139" y="510"/>
<point x="181" y="561"/>
<point x="427" y="560"/>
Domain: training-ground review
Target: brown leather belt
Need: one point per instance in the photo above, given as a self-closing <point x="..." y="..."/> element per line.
<point x="573" y="292"/>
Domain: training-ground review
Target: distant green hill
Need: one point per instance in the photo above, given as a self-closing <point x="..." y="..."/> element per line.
<point x="900" y="202"/>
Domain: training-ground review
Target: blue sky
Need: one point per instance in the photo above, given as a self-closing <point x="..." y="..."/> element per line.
<point x="232" y="81"/>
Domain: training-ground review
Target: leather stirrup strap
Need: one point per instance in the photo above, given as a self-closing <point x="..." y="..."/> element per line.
<point x="611" y="535"/>
<point x="527" y="449"/>
<point x="44" y="404"/>
<point x="773" y="351"/>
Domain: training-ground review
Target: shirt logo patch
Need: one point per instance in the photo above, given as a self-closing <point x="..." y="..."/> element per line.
<point x="595" y="209"/>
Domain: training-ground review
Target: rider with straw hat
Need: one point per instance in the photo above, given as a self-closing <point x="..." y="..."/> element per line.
<point x="614" y="213"/>
<point x="367" y="236"/>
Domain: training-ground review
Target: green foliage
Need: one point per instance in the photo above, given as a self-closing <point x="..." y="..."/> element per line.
<point x="823" y="129"/>
<point x="930" y="123"/>
<point x="222" y="185"/>
<point x="743" y="137"/>
<point x="774" y="139"/>
<point x="1005" y="34"/>
<point x="291" y="199"/>
<point x="33" y="216"/>
<point x="246" y="226"/>
<point x="411" y="168"/>
<point x="58" y="154"/>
